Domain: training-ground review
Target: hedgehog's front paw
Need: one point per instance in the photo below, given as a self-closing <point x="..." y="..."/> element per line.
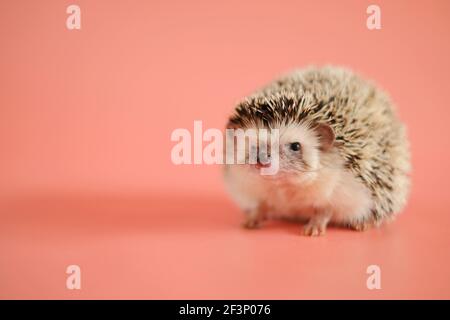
<point x="254" y="217"/>
<point x="251" y="223"/>
<point x="317" y="225"/>
<point x="313" y="228"/>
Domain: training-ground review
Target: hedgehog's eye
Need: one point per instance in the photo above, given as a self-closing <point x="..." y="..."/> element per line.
<point x="295" y="146"/>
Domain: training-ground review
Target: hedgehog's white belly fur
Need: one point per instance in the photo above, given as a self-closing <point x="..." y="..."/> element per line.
<point x="338" y="191"/>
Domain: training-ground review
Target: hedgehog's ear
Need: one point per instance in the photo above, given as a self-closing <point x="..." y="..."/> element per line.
<point x="326" y="136"/>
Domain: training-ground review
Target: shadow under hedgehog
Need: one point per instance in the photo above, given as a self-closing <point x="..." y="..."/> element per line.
<point x="343" y="153"/>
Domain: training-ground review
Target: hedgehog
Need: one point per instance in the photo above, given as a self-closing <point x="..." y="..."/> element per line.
<point x="343" y="154"/>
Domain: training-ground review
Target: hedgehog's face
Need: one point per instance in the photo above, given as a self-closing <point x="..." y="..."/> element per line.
<point x="300" y="151"/>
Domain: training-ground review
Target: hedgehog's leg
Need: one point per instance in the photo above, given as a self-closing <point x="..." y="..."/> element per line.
<point x="254" y="217"/>
<point x="366" y="222"/>
<point x="363" y="225"/>
<point x="317" y="224"/>
<point x="360" y="225"/>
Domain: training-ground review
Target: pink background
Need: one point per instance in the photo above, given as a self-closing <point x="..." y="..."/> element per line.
<point x="85" y="170"/>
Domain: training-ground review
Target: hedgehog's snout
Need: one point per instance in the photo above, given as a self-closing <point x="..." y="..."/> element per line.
<point x="263" y="159"/>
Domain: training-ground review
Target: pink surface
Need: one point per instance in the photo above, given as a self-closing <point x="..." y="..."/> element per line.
<point x="85" y="170"/>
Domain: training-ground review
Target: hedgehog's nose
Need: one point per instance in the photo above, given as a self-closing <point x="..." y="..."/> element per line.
<point x="263" y="160"/>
